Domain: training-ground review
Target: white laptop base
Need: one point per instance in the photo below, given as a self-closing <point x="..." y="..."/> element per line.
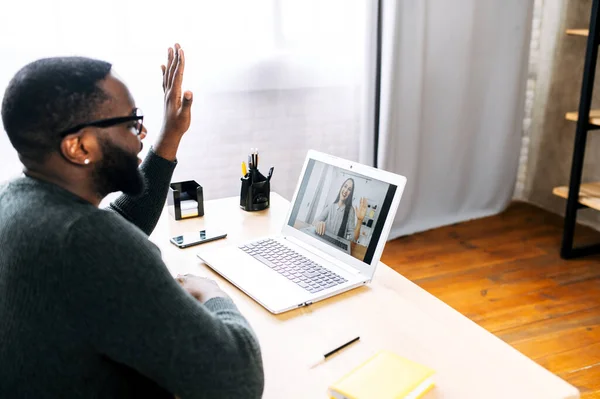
<point x="327" y="186"/>
<point x="269" y="288"/>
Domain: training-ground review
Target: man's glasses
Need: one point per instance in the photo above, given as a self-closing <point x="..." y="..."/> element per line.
<point x="136" y="116"/>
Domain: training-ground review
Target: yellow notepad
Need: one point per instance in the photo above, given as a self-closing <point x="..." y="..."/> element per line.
<point x="384" y="376"/>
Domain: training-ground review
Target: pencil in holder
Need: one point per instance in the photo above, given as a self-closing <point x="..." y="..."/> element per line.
<point x="255" y="191"/>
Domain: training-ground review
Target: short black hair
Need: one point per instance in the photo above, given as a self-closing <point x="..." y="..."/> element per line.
<point x="48" y="96"/>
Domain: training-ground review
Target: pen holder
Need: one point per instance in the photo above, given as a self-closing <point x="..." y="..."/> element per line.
<point x="255" y="191"/>
<point x="185" y="200"/>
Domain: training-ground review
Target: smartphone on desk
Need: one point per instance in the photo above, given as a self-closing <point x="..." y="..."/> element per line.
<point x="199" y="237"/>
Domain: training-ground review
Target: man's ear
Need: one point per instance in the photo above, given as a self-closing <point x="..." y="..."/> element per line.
<point x="81" y="148"/>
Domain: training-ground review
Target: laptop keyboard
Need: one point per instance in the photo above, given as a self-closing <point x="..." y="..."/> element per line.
<point x="335" y="242"/>
<point x="293" y="266"/>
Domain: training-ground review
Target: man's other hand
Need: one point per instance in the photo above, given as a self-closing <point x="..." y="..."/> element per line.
<point x="203" y="289"/>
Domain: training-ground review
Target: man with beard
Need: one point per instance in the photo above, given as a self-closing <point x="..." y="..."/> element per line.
<point x="87" y="306"/>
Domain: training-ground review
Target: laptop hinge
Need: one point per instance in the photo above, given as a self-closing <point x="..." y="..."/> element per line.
<point x="320" y="254"/>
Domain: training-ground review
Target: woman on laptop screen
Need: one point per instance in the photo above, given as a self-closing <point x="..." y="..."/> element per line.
<point x="340" y="217"/>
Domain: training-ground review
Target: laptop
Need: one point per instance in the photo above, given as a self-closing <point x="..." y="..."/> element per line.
<point x="304" y="264"/>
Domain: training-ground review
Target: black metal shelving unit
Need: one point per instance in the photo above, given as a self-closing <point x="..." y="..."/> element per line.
<point x="578" y="195"/>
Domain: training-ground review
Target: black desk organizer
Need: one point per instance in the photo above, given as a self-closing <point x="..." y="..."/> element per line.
<point x="182" y="191"/>
<point x="255" y="191"/>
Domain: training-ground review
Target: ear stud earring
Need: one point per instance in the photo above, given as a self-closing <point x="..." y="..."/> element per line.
<point x="86" y="161"/>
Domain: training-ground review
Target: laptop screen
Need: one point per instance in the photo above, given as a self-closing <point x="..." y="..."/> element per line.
<point x="344" y="209"/>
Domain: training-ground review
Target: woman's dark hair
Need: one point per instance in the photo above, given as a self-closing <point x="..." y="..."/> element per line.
<point x="48" y="96"/>
<point x="348" y="206"/>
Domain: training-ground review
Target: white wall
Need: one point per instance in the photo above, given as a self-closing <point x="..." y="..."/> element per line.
<point x="280" y="75"/>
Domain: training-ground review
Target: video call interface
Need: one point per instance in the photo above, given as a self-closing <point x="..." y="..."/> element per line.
<point x="343" y="209"/>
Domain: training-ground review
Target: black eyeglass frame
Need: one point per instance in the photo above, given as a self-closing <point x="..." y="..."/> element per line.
<point x="110" y="122"/>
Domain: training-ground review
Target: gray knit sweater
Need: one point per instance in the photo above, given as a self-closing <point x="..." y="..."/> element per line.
<point x="89" y="310"/>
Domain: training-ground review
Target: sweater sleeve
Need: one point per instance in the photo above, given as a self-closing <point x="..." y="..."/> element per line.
<point x="324" y="214"/>
<point x="144" y="210"/>
<point x="135" y="313"/>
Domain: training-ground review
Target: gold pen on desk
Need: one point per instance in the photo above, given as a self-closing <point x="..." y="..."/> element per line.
<point x="244" y="170"/>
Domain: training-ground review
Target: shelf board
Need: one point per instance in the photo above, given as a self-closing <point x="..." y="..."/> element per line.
<point x="594" y="116"/>
<point x="589" y="194"/>
<point x="578" y="32"/>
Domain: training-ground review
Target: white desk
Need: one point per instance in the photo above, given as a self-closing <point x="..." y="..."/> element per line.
<point x="391" y="313"/>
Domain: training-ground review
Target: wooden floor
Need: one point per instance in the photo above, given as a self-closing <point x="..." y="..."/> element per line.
<point x="504" y="273"/>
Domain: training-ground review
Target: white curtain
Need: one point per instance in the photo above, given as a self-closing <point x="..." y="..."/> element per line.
<point x="282" y="76"/>
<point x="453" y="89"/>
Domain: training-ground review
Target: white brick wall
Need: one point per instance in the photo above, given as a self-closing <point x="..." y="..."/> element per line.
<point x="534" y="54"/>
<point x="282" y="124"/>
